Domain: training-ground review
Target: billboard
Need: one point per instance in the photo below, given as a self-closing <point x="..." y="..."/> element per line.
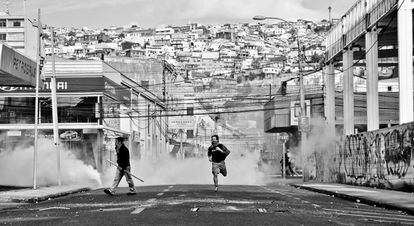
<point x="182" y="122"/>
<point x="295" y="111"/>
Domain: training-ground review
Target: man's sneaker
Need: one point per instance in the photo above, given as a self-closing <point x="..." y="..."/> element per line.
<point x="131" y="193"/>
<point x="216" y="189"/>
<point x="107" y="191"/>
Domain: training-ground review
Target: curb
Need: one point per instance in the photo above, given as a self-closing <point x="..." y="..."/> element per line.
<point x="47" y="197"/>
<point x="355" y="198"/>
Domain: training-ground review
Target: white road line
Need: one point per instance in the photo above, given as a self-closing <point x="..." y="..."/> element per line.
<point x="137" y="210"/>
<point x="377" y="217"/>
<point x="160" y="194"/>
<point x="369" y="213"/>
<point x="149" y="201"/>
<point x="141" y="208"/>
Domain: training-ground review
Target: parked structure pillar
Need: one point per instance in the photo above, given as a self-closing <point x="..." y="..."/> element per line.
<point x="330" y="97"/>
<point x="348" y="95"/>
<point x="371" y="49"/>
<point x="405" y="61"/>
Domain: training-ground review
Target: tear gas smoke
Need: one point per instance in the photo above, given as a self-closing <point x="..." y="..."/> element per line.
<point x="320" y="151"/>
<point x="242" y="169"/>
<point x="16" y="167"/>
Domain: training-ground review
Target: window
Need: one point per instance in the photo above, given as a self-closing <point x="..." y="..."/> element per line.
<point x="145" y="84"/>
<point x="2" y="23"/>
<point x="70" y="109"/>
<point x="190" y="111"/>
<point x="2" y="37"/>
<point x="17" y="110"/>
<point x="17" y="24"/>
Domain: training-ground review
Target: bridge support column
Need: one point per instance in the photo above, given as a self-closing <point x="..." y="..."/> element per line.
<point x="330" y="98"/>
<point x="371" y="48"/>
<point x="349" y="118"/>
<point x="405" y="61"/>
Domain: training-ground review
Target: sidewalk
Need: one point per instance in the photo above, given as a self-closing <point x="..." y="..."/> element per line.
<point x="28" y="195"/>
<point x="380" y="197"/>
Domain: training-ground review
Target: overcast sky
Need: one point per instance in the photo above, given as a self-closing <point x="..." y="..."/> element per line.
<point x="157" y="13"/>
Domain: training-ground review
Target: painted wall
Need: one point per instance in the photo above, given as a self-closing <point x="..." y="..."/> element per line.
<point x="381" y="158"/>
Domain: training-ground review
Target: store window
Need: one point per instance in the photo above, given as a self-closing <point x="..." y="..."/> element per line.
<point x="70" y="109"/>
<point x="17" y="110"/>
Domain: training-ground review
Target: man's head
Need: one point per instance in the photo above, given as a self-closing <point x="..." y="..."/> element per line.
<point x="215" y="140"/>
<point x="119" y="141"/>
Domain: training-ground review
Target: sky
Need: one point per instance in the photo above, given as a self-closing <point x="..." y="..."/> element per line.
<point x="159" y="13"/>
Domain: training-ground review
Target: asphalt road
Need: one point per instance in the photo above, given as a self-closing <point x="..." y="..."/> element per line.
<point x="276" y="204"/>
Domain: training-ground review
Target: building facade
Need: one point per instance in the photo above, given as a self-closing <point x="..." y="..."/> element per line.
<point x="96" y="104"/>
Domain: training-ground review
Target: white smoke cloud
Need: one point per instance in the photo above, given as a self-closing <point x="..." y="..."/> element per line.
<point x="242" y="170"/>
<point x="16" y="167"/>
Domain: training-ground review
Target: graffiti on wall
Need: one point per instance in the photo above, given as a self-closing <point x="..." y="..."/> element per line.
<point x="380" y="158"/>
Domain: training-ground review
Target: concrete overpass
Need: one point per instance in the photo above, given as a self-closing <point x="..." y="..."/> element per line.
<point x="374" y="34"/>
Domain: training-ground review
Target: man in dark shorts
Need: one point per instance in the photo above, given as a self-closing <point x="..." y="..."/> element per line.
<point x="217" y="153"/>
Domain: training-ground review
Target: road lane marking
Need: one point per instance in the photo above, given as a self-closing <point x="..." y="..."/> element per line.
<point x="160" y="194"/>
<point x="377" y="217"/>
<point x="262" y="210"/>
<point x="138" y="210"/>
<point x="55" y="208"/>
<point x="151" y="200"/>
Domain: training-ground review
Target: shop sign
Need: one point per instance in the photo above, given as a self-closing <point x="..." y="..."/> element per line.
<point x="295" y="112"/>
<point x="70" y="135"/>
<point x="17" y="65"/>
<point x="184" y="122"/>
<point x="14" y="133"/>
<point x="89" y="84"/>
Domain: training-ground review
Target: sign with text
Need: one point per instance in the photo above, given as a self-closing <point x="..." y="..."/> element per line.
<point x="295" y="111"/>
<point x="63" y="85"/>
<point x="16" y="68"/>
<point x="183" y="122"/>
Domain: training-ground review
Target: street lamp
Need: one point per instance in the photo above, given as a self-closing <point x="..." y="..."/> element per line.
<point x="302" y="115"/>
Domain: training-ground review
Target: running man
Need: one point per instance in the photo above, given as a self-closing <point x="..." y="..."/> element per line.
<point x="122" y="154"/>
<point x="217" y="153"/>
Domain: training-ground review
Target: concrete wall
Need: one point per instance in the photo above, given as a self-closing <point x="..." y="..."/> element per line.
<point x="381" y="158"/>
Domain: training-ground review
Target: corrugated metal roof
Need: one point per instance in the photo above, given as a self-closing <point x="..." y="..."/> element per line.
<point x="70" y="67"/>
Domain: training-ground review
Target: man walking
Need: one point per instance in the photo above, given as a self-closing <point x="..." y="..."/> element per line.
<point x="217" y="153"/>
<point x="124" y="169"/>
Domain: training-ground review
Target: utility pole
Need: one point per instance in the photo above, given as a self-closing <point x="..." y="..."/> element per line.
<point x="36" y="122"/>
<point x="54" y="108"/>
<point x="303" y="117"/>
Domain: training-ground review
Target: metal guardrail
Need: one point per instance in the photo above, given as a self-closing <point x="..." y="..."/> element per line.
<point x="362" y="15"/>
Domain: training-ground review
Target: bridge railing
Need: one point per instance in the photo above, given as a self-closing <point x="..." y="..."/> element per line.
<point x="363" y="15"/>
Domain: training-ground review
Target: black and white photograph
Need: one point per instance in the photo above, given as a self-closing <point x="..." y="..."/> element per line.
<point x="206" y="112"/>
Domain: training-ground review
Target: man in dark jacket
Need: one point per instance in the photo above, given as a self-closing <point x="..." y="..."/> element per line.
<point x="217" y="153"/>
<point x="122" y="154"/>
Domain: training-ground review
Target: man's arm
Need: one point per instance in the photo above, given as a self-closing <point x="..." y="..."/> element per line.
<point x="209" y="154"/>
<point x="224" y="149"/>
